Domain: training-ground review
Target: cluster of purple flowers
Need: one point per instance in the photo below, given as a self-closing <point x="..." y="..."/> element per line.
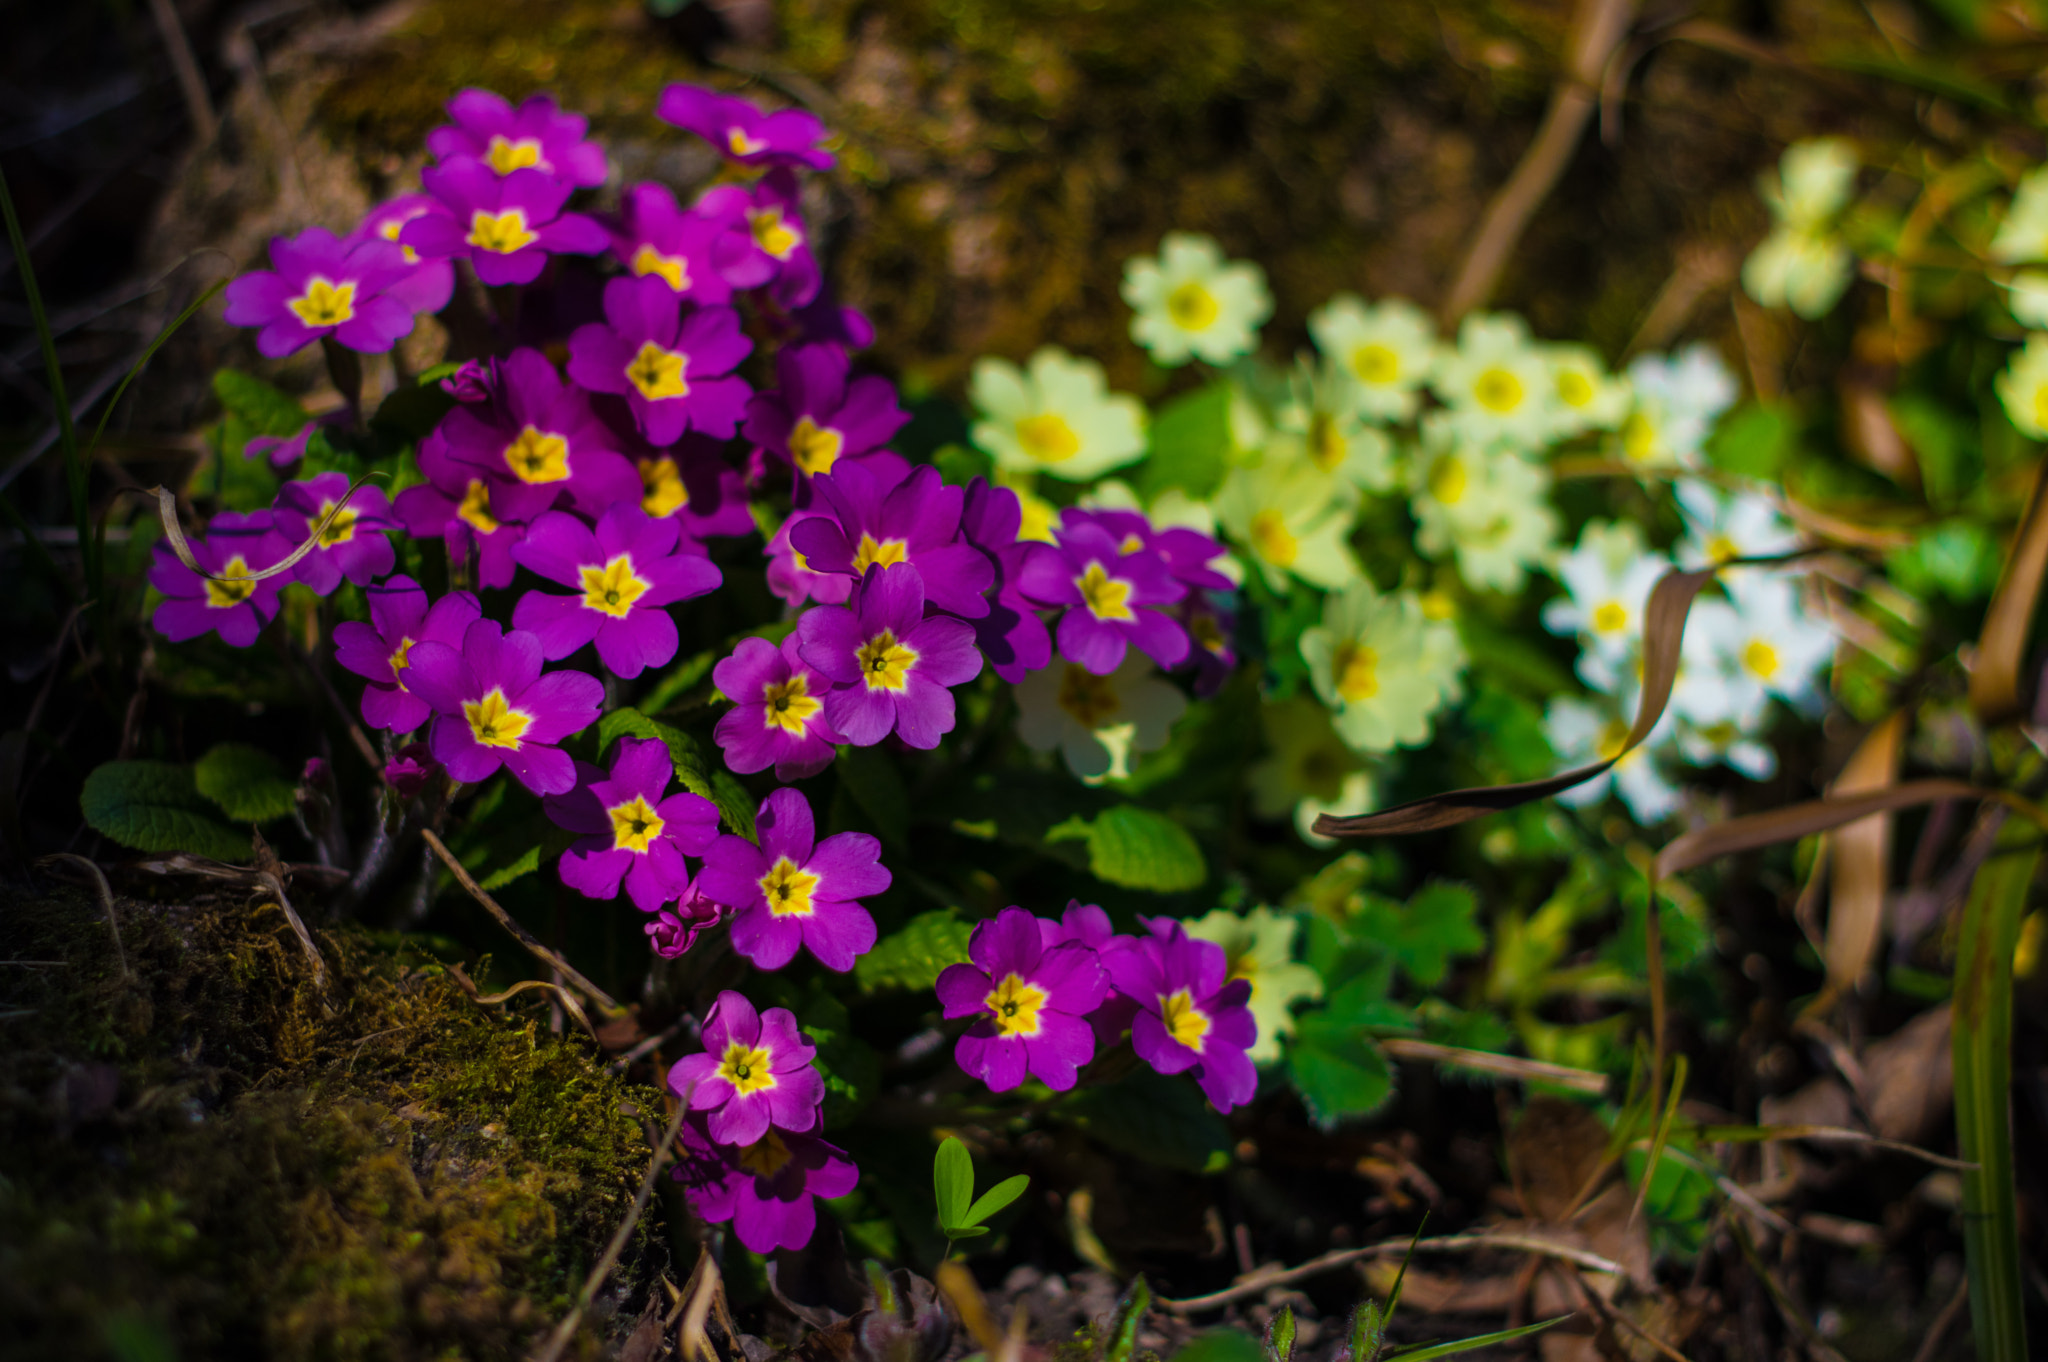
<point x="1046" y="996"/>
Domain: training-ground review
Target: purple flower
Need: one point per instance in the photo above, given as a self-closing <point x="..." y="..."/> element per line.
<point x="1029" y="1003"/>
<point x="672" y="931"/>
<point x="654" y="237"/>
<point x="506" y="227"/>
<point x="630" y="831"/>
<point x="793" y="890"/>
<point x="1111" y="588"/>
<point x="284" y="451"/>
<point x="764" y="1188"/>
<point x="408" y="772"/>
<point x="755" y="1072"/>
<point x="234" y="547"/>
<point x="537" y="441"/>
<point x="692" y="482"/>
<point x="744" y="133"/>
<point x="380" y="651"/>
<point x="535" y="136"/>
<point x="457" y="505"/>
<point x="475" y="381"/>
<point x="777" y="716"/>
<point x="1187" y="552"/>
<point x="492" y="707"/>
<point x="1211" y="622"/>
<point x="767" y="242"/>
<point x="822" y="319"/>
<point x="816" y="416"/>
<point x="428" y="284"/>
<point x="666" y="365"/>
<point x="352" y="545"/>
<point x="1191" y="1014"/>
<point x="1011" y="635"/>
<point x="324" y="286"/>
<point x="625" y="572"/>
<point x="862" y="523"/>
<point x="890" y="666"/>
<point x="1088" y="925"/>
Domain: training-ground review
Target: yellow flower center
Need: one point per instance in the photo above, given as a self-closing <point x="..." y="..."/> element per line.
<point x="1048" y="438"/>
<point x="1184" y="1021"/>
<point x="1131" y="543"/>
<point x="1376" y="364"/>
<point x="1448" y="480"/>
<point x="747" y="1070"/>
<point x="1272" y="540"/>
<point x="1327" y="446"/>
<point x="765" y="1156"/>
<point x="635" y="825"/>
<point x="338" y="530"/>
<point x="884" y="663"/>
<point x="1612" y="739"/>
<point x="1107" y="597"/>
<point x="238" y="587"/>
<point x="788" y="889"/>
<point x="324" y="303"/>
<point x="772" y="234"/>
<point x="1760" y="658"/>
<point x="1638" y="437"/>
<point x="1192" y="307"/>
<point x="2041" y="404"/>
<point x="657" y="373"/>
<point x="475" y="509"/>
<point x="1722" y="549"/>
<point x="737" y="142"/>
<point x="493" y="722"/>
<point x="1497" y="390"/>
<point x="506" y="156"/>
<point x="400" y="659"/>
<point x="1574" y="389"/>
<point x="1438" y="605"/>
<point x="789" y="704"/>
<point x="887" y="553"/>
<point x="663" y="484"/>
<point x="538" y="456"/>
<point x="1205" y="629"/>
<point x="390" y="230"/>
<point x="1013" y="1006"/>
<point x="613" y="588"/>
<point x="1357" y="668"/>
<point x="1091" y="699"/>
<point x="812" y="449"/>
<point x="673" y="269"/>
<point x="1610" y="617"/>
<point x="500" y="233"/>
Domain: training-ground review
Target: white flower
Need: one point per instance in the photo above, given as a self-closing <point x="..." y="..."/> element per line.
<point x="1356" y="797"/>
<point x="1607" y="580"/>
<point x="1583" y="395"/>
<point x="1322" y="418"/>
<point x="1098" y="722"/>
<point x="2027" y="297"/>
<point x="2023" y="235"/>
<point x="1497" y="384"/>
<point x="1260" y="947"/>
<point x="1723" y="526"/>
<point x="1800" y="268"/>
<point x="1371" y="662"/>
<point x="1290" y="517"/>
<point x="1581" y="734"/>
<point x="1488" y="505"/>
<point x="1813" y="183"/>
<point x="1190" y="302"/>
<point x="1765" y="643"/>
<point x="2023" y="387"/>
<point x="1386" y="348"/>
<point x="1727" y="744"/>
<point x="1060" y="418"/>
<point x="1693" y="383"/>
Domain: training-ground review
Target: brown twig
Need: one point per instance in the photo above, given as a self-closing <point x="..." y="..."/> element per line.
<point x="561" y="995"/>
<point x="191" y="83"/>
<point x="106" y="893"/>
<point x="570" y="973"/>
<point x="269" y="876"/>
<point x="1930" y="1346"/>
<point x="1449" y="1243"/>
<point x="1508" y="1066"/>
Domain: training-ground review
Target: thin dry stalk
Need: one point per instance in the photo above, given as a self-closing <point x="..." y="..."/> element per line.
<point x="106" y="894"/>
<point x="1450" y="1243"/>
<point x="569" y="972"/>
<point x="191" y="83"/>
<point x="1508" y="1066"/>
<point x="562" y="995"/>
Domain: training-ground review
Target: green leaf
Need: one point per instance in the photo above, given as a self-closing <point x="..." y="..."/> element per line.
<point x="1436" y="925"/>
<point x="966" y="1231"/>
<point x="1466" y="1345"/>
<point x="912" y="958"/>
<point x="695" y="773"/>
<point x="246" y="782"/>
<point x="257" y="407"/>
<point x="1137" y="848"/>
<point x="1159" y="1118"/>
<point x="1190" y="445"/>
<point x="412" y="413"/>
<point x="156" y="806"/>
<point x="848" y="1064"/>
<point x="1339" y="1072"/>
<point x="997" y="1197"/>
<point x="1221" y="1345"/>
<point x="1958" y="558"/>
<point x="684" y="676"/>
<point x="952" y="1183"/>
<point x="870" y="775"/>
<point x="527" y="862"/>
<point x="1754" y="439"/>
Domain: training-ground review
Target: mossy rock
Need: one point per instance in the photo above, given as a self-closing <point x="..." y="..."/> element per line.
<point x="210" y="1156"/>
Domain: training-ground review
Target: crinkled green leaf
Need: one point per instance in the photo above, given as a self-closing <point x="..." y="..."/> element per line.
<point x="1436" y="924"/>
<point x="1160" y="1118"/>
<point x="257" y="406"/>
<point x="1137" y="848"/>
<point x="694" y="771"/>
<point x="246" y="782"/>
<point x="1754" y="439"/>
<point x="678" y="680"/>
<point x="156" y="806"/>
<point x="913" y="957"/>
<point x="1338" y="1070"/>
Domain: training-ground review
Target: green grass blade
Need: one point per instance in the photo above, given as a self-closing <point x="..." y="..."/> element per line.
<point x="67" y="437"/>
<point x="148" y="354"/>
<point x="1982" y="1040"/>
<point x="1466" y="1345"/>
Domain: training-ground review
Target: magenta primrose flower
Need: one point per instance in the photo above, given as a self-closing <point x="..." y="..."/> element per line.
<point x="755" y="1072"/>
<point x="1011" y="635"/>
<point x="632" y="828"/>
<point x="492" y="707"/>
<point x="817" y="416"/>
<point x="861" y="523"/>
<point x="537" y="442"/>
<point x="794" y="891"/>
<point x="765" y="1188"/>
<point x="1029" y="1002"/>
<point x="1187" y="552"/>
<point x="777" y="718"/>
<point x="1088" y="925"/>
<point x="428" y="284"/>
<point x="234" y="548"/>
<point x="352" y="543"/>
<point x="380" y="651"/>
<point x="1111" y="594"/>
<point x="535" y="136"/>
<point x="889" y="665"/>
<point x="656" y="238"/>
<point x="409" y="770"/>
<point x="691" y="482"/>
<point x="767" y="244"/>
<point x="666" y="365"/>
<point x="672" y="931"/>
<point x="625" y="572"/>
<point x="1191" y="1015"/>
<point x="506" y="227"/>
<point x="742" y="131"/>
<point x="461" y="506"/>
<point x="323" y="286"/>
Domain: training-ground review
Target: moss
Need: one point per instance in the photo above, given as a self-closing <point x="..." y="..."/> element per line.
<point x="215" y="1156"/>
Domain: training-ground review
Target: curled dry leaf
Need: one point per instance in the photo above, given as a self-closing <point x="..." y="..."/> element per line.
<point x="1860" y="857"/>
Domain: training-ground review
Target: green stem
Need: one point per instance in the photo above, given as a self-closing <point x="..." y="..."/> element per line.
<point x="1982" y="1040"/>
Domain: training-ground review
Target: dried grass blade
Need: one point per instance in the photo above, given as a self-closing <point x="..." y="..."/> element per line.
<point x="167" y="511"/>
<point x="1861" y="856"/>
<point x="1801" y="820"/>
<point x="1995" y="676"/>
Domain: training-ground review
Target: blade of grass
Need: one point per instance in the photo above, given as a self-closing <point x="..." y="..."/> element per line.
<point x="1466" y="1345"/>
<point x="1679" y="1073"/>
<point x="1983" y="1068"/>
<point x="74" y="464"/>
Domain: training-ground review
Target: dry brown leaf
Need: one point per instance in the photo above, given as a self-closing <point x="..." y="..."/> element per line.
<point x="1909" y="1079"/>
<point x="1554" y="1150"/>
<point x="1800" y="820"/>
<point x="1861" y="856"/>
<point x="1443" y="1293"/>
<point x="1995" y="675"/>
